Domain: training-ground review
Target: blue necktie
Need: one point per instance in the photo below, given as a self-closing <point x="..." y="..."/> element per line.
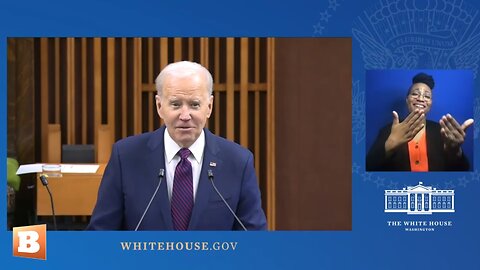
<point x="182" y="194"/>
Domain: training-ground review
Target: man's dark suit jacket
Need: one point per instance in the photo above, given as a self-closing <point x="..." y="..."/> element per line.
<point x="131" y="177"/>
<point x="438" y="158"/>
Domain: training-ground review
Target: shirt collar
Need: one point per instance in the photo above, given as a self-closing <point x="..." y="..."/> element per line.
<point x="172" y="148"/>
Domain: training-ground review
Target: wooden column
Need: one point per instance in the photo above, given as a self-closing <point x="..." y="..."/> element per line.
<point x="230" y="89"/>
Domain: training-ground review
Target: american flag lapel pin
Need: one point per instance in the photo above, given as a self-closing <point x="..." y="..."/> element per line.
<point x="213" y="164"/>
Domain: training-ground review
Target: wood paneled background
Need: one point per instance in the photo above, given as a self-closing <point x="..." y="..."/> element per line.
<point x="99" y="90"/>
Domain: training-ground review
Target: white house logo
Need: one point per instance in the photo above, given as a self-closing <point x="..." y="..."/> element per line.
<point x="420" y="200"/>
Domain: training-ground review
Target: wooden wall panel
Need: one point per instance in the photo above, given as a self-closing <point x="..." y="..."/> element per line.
<point x="244" y="123"/>
<point x="271" y="131"/>
<point x="104" y="90"/>
<point x="111" y="88"/>
<point x="123" y="93"/>
<point x="71" y="102"/>
<point x="57" y="80"/>
<point x="21" y="114"/>
<point x="84" y="90"/>
<point x="53" y="143"/>
<point x="313" y="134"/>
<point x="105" y="143"/>
<point x="44" y="98"/>
<point x="217" y="91"/>
<point x="97" y="89"/>
<point x="230" y="104"/>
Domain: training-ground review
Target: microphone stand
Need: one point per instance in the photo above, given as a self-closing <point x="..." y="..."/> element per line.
<point x="43" y="179"/>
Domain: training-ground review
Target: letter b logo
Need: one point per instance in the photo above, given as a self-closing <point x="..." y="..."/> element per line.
<point x="27" y="242"/>
<point x="30" y="241"/>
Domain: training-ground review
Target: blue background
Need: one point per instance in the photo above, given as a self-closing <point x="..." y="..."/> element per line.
<point x="405" y="34"/>
<point x="386" y="91"/>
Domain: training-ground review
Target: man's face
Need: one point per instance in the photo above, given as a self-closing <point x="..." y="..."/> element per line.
<point x="185" y="106"/>
<point x="420" y="97"/>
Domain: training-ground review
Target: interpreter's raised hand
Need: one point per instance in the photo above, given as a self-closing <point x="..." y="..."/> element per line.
<point x="404" y="131"/>
<point x="453" y="133"/>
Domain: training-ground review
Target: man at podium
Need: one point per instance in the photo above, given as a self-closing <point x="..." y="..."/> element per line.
<point x="181" y="176"/>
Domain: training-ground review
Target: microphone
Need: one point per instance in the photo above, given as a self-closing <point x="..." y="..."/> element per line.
<point x="43" y="179"/>
<point x="210" y="176"/>
<point x="161" y="174"/>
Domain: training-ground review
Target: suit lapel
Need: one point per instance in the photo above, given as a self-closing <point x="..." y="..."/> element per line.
<point x="204" y="186"/>
<point x="156" y="144"/>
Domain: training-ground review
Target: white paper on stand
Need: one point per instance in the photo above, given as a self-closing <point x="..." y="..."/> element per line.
<point x="30" y="168"/>
<point x="79" y="168"/>
<point x="65" y="168"/>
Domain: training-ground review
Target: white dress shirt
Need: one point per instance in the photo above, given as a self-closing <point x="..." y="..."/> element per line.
<point x="172" y="159"/>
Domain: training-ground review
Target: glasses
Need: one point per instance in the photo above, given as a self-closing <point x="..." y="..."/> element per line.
<point x="417" y="94"/>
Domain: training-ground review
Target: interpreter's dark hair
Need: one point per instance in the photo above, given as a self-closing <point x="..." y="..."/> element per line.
<point x="422" y="78"/>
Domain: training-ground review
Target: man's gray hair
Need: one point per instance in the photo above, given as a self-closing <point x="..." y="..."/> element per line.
<point x="183" y="69"/>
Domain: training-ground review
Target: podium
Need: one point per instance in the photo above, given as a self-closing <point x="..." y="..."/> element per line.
<point x="74" y="194"/>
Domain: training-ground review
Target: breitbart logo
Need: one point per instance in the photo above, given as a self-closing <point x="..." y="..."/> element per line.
<point x="30" y="242"/>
